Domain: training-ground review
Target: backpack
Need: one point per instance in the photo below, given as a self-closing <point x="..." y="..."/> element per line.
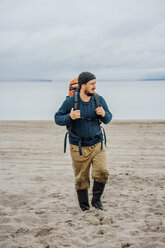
<point x="74" y="90"/>
<point x="73" y="86"/>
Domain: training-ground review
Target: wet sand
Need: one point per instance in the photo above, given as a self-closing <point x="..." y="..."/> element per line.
<point x="38" y="203"/>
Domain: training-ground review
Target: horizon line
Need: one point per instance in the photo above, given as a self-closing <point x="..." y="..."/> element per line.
<point x="51" y="80"/>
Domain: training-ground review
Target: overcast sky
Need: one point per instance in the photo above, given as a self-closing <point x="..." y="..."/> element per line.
<point x="58" y="39"/>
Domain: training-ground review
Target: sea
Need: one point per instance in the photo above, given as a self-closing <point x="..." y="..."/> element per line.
<point x="127" y="100"/>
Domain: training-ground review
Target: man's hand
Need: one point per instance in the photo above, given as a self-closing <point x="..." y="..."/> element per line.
<point x="100" y="111"/>
<point x="74" y="114"/>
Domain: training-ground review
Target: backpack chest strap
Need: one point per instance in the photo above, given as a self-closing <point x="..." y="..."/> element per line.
<point x="89" y="119"/>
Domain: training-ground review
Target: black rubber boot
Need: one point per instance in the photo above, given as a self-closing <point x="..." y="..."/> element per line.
<point x="83" y="199"/>
<point x="98" y="189"/>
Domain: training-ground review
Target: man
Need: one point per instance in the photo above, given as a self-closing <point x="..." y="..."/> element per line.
<point x="85" y="127"/>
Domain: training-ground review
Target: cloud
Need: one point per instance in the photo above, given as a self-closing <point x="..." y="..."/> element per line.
<point x="59" y="39"/>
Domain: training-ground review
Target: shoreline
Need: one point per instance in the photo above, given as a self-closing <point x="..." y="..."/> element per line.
<point x="113" y="121"/>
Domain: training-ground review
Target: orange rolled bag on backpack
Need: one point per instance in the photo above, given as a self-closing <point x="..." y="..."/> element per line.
<point x="73" y="86"/>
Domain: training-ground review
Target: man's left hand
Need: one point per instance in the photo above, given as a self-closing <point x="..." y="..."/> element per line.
<point x="100" y="111"/>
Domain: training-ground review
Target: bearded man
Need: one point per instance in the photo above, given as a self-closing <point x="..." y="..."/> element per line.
<point x="86" y="140"/>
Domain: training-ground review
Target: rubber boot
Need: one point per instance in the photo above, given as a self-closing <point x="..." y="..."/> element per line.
<point x="98" y="189"/>
<point x="83" y="199"/>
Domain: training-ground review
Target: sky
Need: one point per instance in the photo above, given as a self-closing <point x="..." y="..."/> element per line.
<point x="58" y="39"/>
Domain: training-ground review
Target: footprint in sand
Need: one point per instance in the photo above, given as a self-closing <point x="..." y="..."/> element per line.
<point x="43" y="231"/>
<point x="20" y="231"/>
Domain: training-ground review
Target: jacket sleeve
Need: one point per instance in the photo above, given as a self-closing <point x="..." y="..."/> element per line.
<point x="108" y="116"/>
<point x="62" y="117"/>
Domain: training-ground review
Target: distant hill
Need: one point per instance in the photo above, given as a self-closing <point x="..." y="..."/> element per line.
<point x="26" y="80"/>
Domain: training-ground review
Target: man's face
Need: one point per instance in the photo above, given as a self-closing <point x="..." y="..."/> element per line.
<point x="90" y="87"/>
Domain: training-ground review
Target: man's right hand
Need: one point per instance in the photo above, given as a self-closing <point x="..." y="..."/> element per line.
<point x="74" y="114"/>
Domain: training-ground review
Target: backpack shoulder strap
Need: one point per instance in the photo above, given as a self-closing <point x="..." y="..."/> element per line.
<point x="97" y="103"/>
<point x="97" y="100"/>
<point x="76" y="100"/>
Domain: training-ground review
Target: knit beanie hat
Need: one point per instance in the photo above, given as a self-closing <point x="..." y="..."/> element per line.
<point x="85" y="77"/>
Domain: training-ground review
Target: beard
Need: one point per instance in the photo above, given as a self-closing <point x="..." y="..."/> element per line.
<point x="89" y="93"/>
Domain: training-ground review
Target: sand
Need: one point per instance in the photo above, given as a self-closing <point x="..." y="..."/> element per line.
<point x="38" y="203"/>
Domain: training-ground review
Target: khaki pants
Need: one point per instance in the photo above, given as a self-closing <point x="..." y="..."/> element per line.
<point x="81" y="165"/>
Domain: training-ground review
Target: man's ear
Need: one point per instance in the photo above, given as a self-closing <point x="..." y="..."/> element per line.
<point x="83" y="86"/>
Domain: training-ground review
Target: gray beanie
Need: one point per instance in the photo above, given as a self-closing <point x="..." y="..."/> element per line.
<point x="85" y="77"/>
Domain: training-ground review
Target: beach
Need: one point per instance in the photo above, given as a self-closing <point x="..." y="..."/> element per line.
<point x="38" y="202"/>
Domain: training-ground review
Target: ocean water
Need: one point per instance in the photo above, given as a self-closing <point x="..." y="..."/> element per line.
<point x="127" y="100"/>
